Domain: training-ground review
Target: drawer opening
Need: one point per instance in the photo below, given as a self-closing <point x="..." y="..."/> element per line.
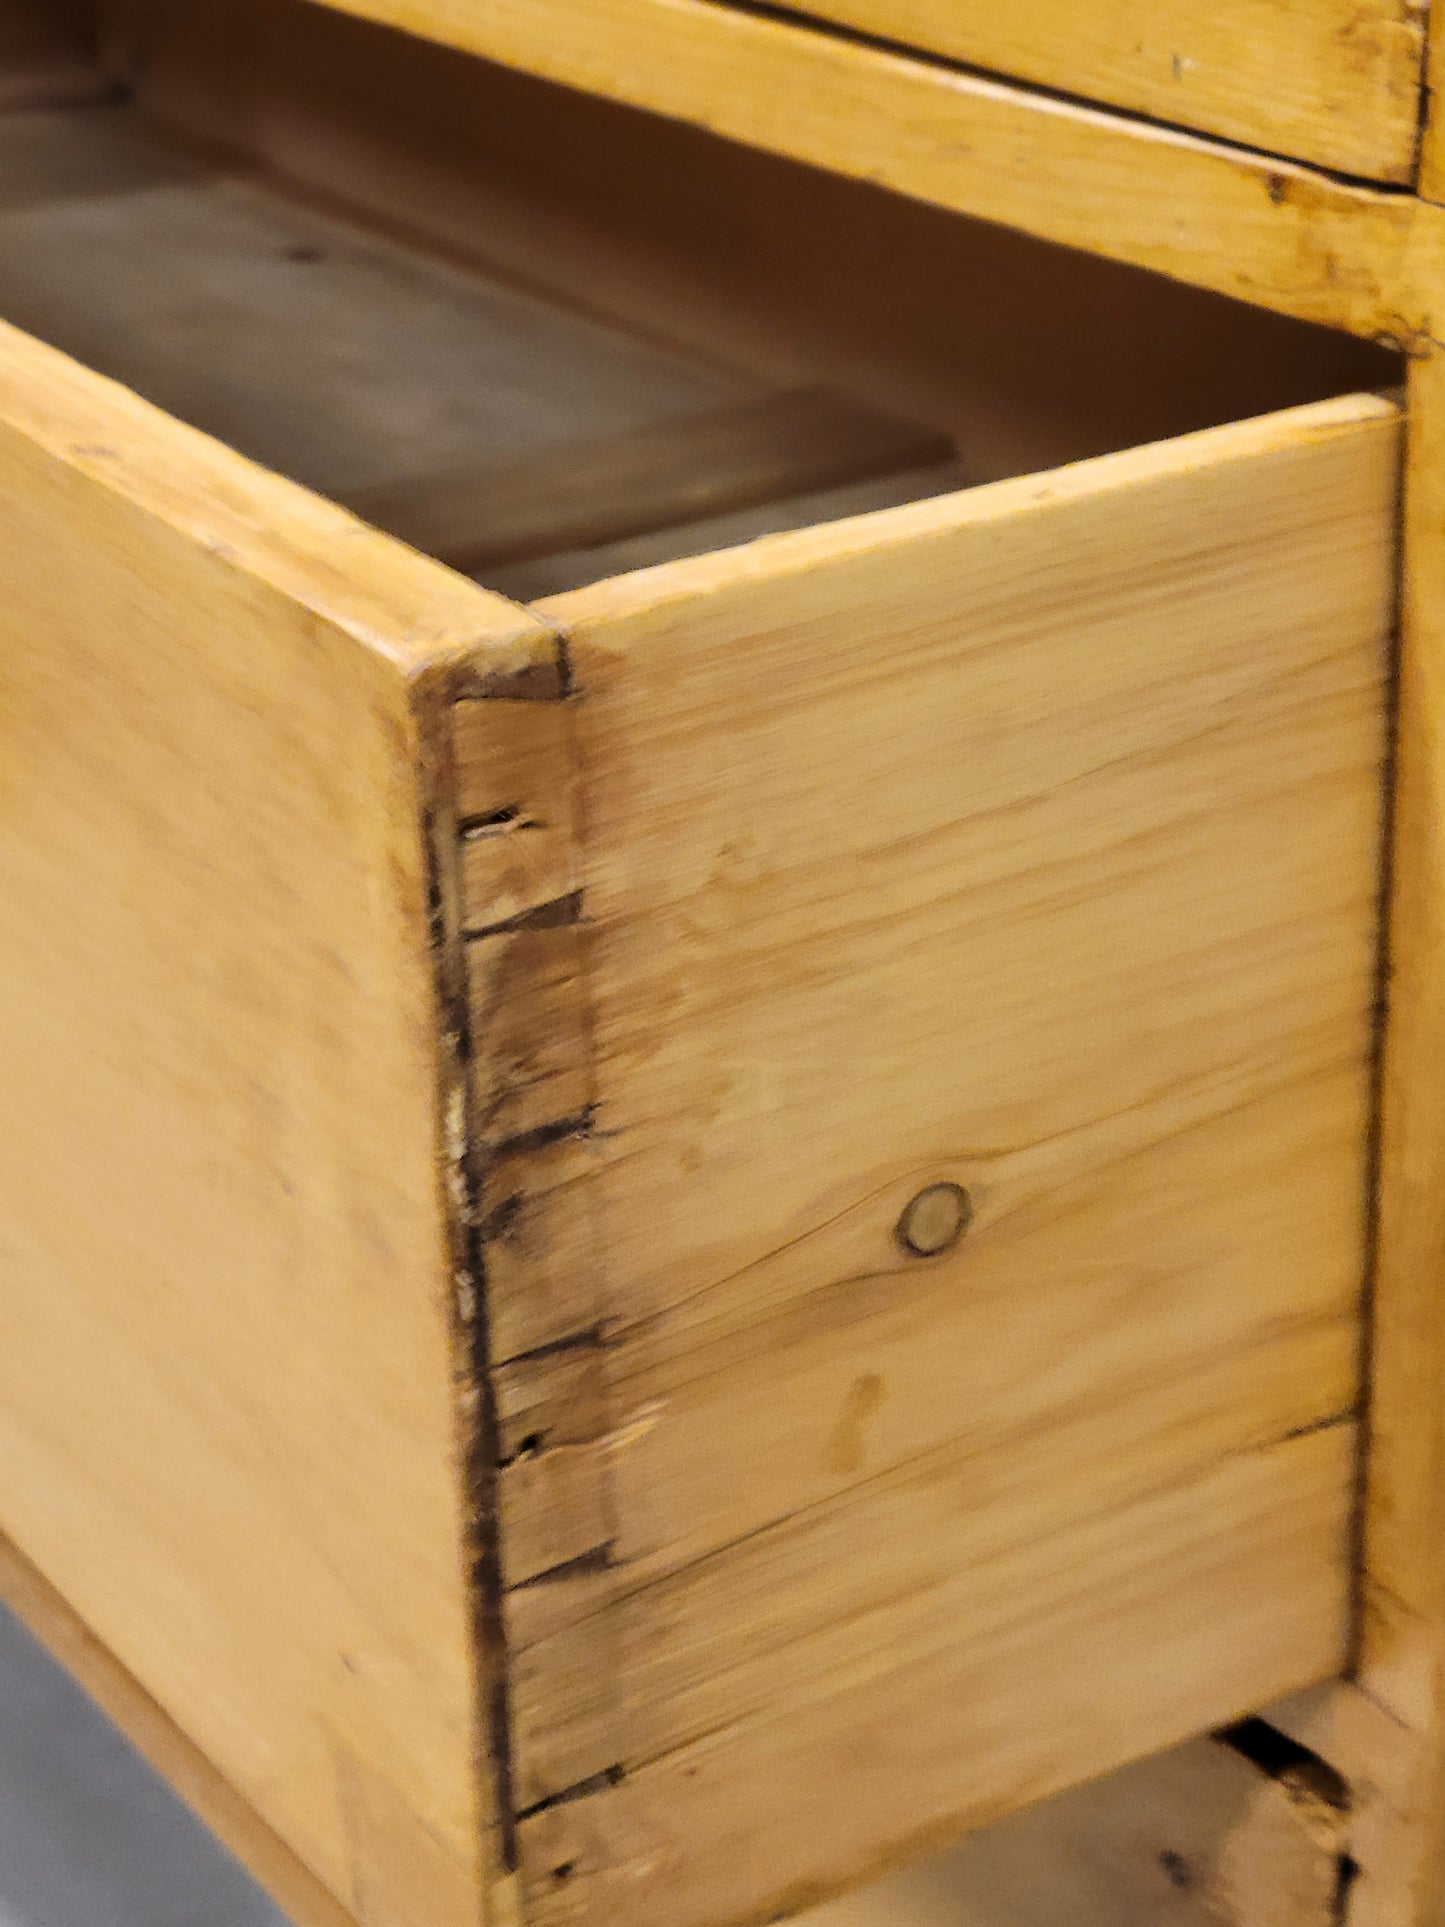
<point x="549" y="339"/>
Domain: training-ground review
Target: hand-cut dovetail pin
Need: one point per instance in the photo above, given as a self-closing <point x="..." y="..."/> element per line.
<point x="934" y="1220"/>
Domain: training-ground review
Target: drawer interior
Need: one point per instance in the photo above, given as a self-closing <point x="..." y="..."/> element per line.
<point x="548" y="339"/>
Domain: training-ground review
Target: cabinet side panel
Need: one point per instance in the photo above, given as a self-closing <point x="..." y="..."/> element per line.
<point x="1430" y="181"/>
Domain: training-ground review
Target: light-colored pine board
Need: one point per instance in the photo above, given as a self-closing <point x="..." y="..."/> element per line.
<point x="683" y="721"/>
<point x="1330" y="82"/>
<point x="548" y="575"/>
<point x="1402" y="1643"/>
<point x="1268" y="231"/>
<point x="967" y="1527"/>
<point x="658" y="476"/>
<point x="847" y="798"/>
<point x="1200" y="1836"/>
<point x="229" y="1388"/>
<point x="765" y="1814"/>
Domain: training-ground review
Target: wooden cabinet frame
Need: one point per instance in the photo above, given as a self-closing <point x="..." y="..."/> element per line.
<point x="1363" y="259"/>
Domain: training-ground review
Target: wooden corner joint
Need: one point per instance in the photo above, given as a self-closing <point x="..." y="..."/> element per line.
<point x="527" y="1101"/>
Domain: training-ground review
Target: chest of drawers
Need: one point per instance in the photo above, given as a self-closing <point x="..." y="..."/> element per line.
<point x="718" y="1160"/>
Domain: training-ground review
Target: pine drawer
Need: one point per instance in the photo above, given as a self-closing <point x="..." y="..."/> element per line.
<point x="693" y="1212"/>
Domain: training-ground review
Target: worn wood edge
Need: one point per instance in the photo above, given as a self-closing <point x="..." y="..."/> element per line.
<point x="1357" y="1737"/>
<point x="1276" y="233"/>
<point x="1386" y="1723"/>
<point x="778" y="557"/>
<point x="1205" y="1835"/>
<point x="157" y="1737"/>
<point x="513" y="765"/>
<point x="1430" y="166"/>
<point x="537" y="684"/>
<point x="412" y="614"/>
<point x="1380" y="1726"/>
<point x="1287" y="1860"/>
<point x="1362" y="106"/>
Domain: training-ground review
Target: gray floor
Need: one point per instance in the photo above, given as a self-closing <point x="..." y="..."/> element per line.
<point x="88" y="1836"/>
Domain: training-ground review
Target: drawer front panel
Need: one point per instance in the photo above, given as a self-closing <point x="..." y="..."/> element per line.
<point x="1026" y="843"/>
<point x="227" y="1422"/>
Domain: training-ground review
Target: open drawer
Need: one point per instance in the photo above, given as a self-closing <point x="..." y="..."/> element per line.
<point x="676" y="1231"/>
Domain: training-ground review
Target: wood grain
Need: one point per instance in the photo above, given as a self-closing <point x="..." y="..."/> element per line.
<point x="1267" y="231"/>
<point x="229" y="1384"/>
<point x="814" y="1790"/>
<point x="841" y="282"/>
<point x="169" y="1750"/>
<point x="1201" y="1836"/>
<point x="847" y="798"/>
<point x="1430" y="178"/>
<point x="656" y="477"/>
<point x="1332" y="83"/>
<point x="1382" y="1729"/>
<point x="1401" y="1667"/>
